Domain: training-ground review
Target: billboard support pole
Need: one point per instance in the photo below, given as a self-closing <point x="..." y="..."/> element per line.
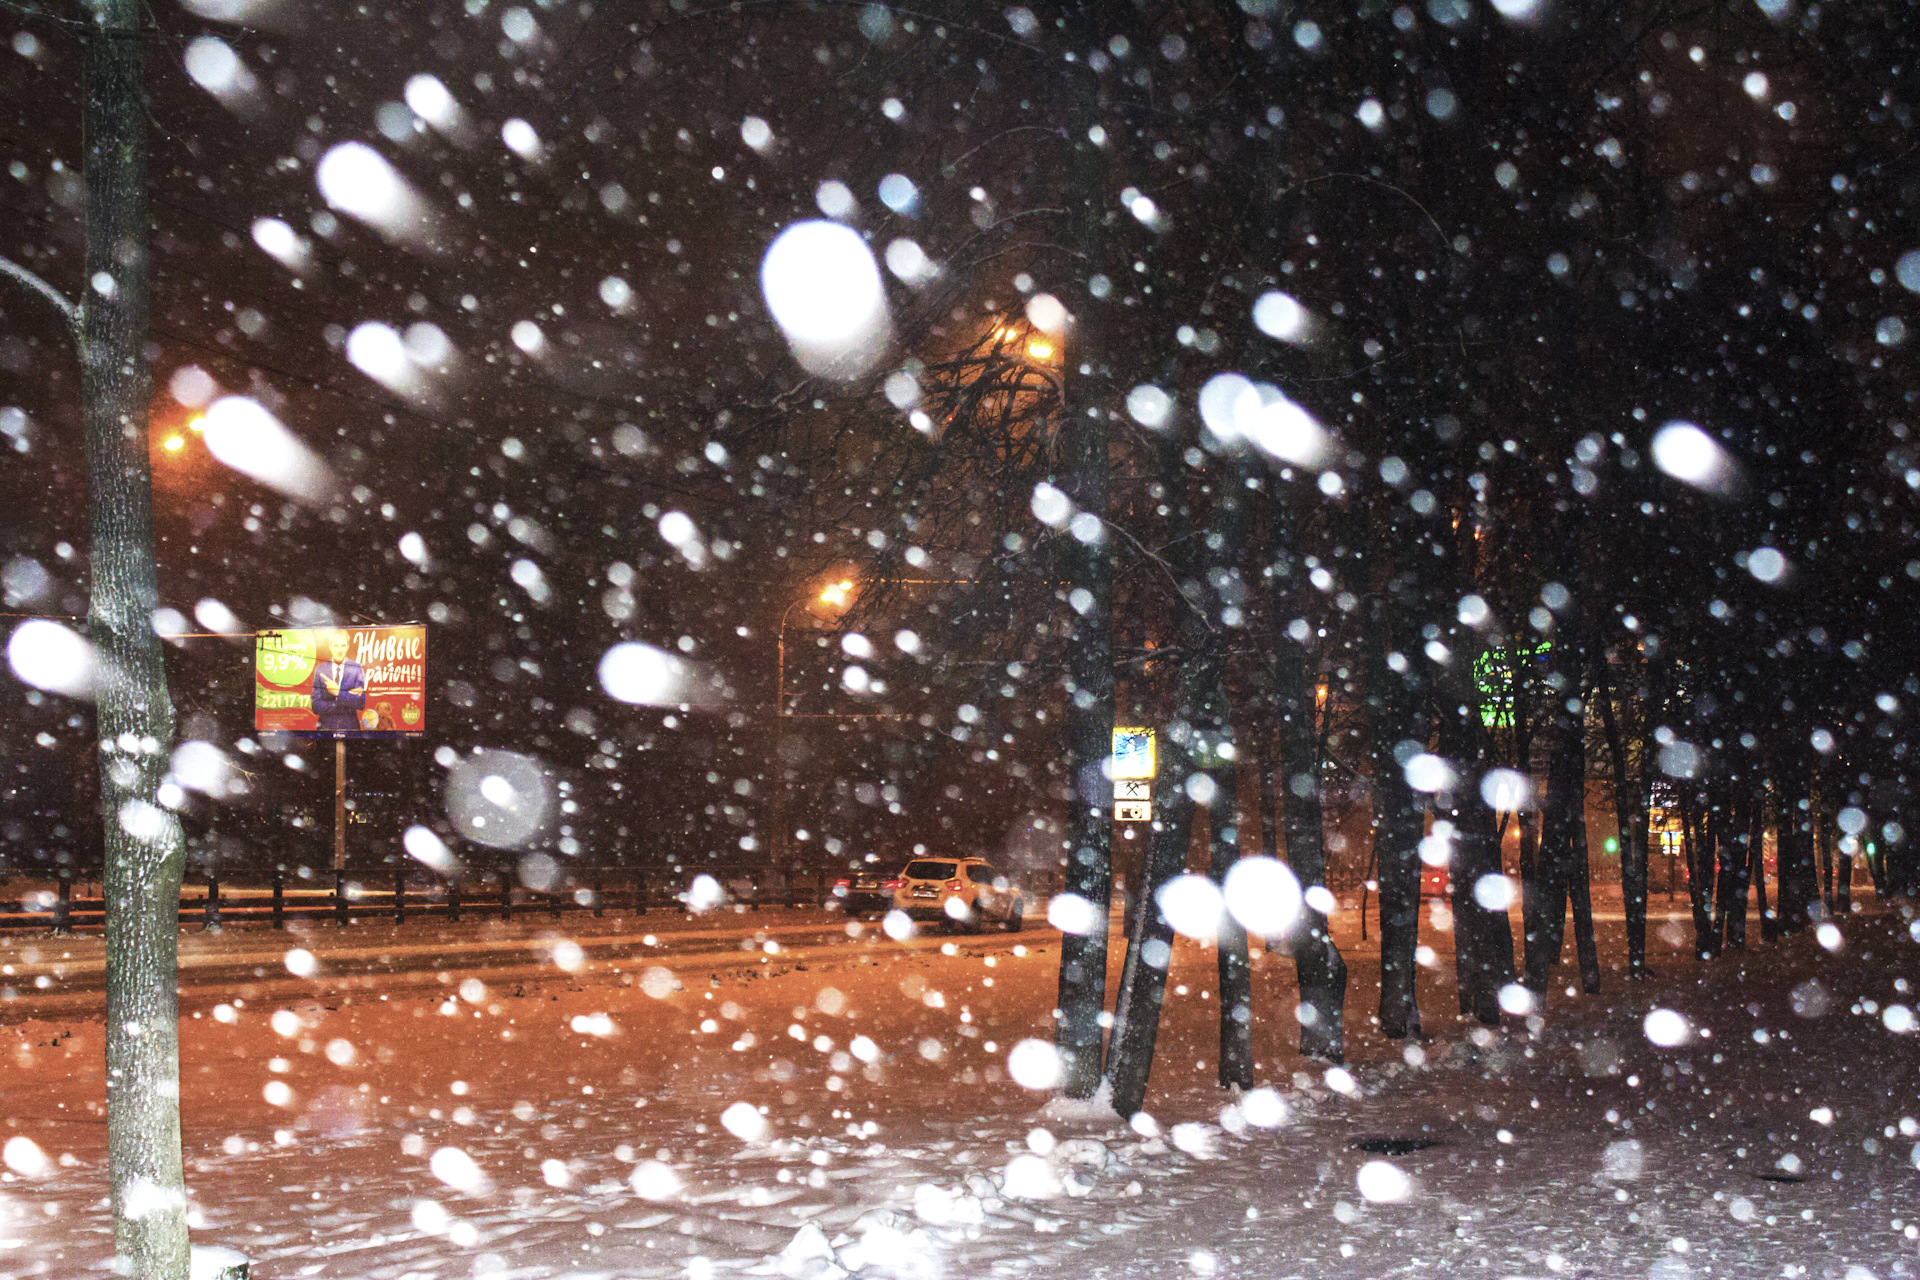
<point x="340" y="830"/>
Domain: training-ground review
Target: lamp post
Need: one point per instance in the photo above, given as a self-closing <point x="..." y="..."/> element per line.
<point x="839" y="595"/>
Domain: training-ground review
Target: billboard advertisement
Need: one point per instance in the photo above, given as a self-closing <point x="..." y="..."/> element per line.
<point x="341" y="682"/>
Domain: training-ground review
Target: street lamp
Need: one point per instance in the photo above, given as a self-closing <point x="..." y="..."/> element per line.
<point x="175" y="441"/>
<point x="837" y="595"/>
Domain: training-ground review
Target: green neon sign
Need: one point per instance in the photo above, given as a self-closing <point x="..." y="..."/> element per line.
<point x="1493" y="676"/>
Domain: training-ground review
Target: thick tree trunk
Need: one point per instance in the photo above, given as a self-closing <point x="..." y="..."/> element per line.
<point x="1580" y="881"/>
<point x="1191" y="750"/>
<point x="1225" y="543"/>
<point x="1822" y="844"/>
<point x="1797" y="890"/>
<point x="1089" y="731"/>
<point x="1630" y="818"/>
<point x="1769" y="921"/>
<point x="1143" y="978"/>
<point x="1562" y="823"/>
<point x="1399" y="820"/>
<point x="1320" y="970"/>
<point x="1701" y="833"/>
<point x="1089" y="691"/>
<point x="1736" y="857"/>
<point x="1231" y="949"/>
<point x="1483" y="938"/>
<point x="144" y="853"/>
<point x="1842" y="847"/>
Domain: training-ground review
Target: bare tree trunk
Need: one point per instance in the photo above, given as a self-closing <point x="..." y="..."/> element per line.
<point x="1265" y="766"/>
<point x="1580" y="885"/>
<point x="1483" y="938"/>
<point x="1089" y="690"/>
<point x="1630" y="818"/>
<point x="1192" y="743"/>
<point x="1320" y="971"/>
<point x="1546" y="901"/>
<point x="1089" y="731"/>
<point x="1822" y="840"/>
<point x="1143" y="979"/>
<point x="1398" y="822"/>
<point x="1231" y="949"/>
<point x="1226" y="542"/>
<point x="1758" y="854"/>
<point x="145" y="852"/>
<point x="1797" y="885"/>
<point x="1728" y="866"/>
<point x="1842" y="877"/>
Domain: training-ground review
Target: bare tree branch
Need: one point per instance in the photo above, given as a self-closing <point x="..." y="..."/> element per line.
<point x="31" y="11"/>
<point x="69" y="310"/>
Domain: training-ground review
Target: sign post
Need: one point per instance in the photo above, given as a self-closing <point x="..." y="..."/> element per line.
<point x="340" y="830"/>
<point x="340" y="683"/>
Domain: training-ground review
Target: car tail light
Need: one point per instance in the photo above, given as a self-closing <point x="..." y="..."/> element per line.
<point x="892" y="885"/>
<point x="843" y="883"/>
<point x="954" y="886"/>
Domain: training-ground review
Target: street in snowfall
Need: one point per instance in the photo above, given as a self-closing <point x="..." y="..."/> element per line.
<point x="690" y="1097"/>
<point x="559" y="448"/>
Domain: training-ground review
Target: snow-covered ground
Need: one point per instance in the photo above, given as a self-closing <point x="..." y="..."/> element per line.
<point x="820" y="1116"/>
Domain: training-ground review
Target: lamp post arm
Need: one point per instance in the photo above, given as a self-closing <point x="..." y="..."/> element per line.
<point x="780" y="660"/>
<point x="777" y="845"/>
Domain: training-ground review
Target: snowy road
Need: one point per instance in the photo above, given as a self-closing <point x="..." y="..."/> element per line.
<point x="44" y="977"/>
<point x="858" y="1111"/>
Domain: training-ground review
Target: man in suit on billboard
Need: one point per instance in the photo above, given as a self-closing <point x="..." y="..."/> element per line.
<point x="339" y="688"/>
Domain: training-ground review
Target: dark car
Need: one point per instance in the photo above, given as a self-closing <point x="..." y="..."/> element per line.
<point x="867" y="890"/>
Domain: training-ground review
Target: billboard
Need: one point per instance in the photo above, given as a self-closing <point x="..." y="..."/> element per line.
<point x="341" y="682"/>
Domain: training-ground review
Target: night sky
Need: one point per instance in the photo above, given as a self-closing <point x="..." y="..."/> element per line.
<point x="1529" y="237"/>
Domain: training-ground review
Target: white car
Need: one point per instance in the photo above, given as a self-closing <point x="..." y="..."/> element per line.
<point x="965" y="893"/>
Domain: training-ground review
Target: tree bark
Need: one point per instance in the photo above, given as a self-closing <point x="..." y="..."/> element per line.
<point x="1822" y="841"/>
<point x="1233" y="957"/>
<point x="1089" y="710"/>
<point x="1319" y="968"/>
<point x="145" y="853"/>
<point x="1483" y="938"/>
<point x="1226" y="542"/>
<point x="1580" y="874"/>
<point x="1735" y="857"/>
<point x="1546" y="900"/>
<point x="1758" y="854"/>
<point x="1699" y="845"/>
<point x="1143" y="979"/>
<point x="1630" y="819"/>
<point x="1190" y="752"/>
<point x="1794" y="867"/>
<point x="1398" y="821"/>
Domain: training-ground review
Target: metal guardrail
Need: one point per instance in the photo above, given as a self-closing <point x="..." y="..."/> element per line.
<point x="622" y="891"/>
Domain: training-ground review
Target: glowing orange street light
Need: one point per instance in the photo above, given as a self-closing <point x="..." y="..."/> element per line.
<point x="1040" y="349"/>
<point x="837" y="594"/>
<point x="173" y="444"/>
